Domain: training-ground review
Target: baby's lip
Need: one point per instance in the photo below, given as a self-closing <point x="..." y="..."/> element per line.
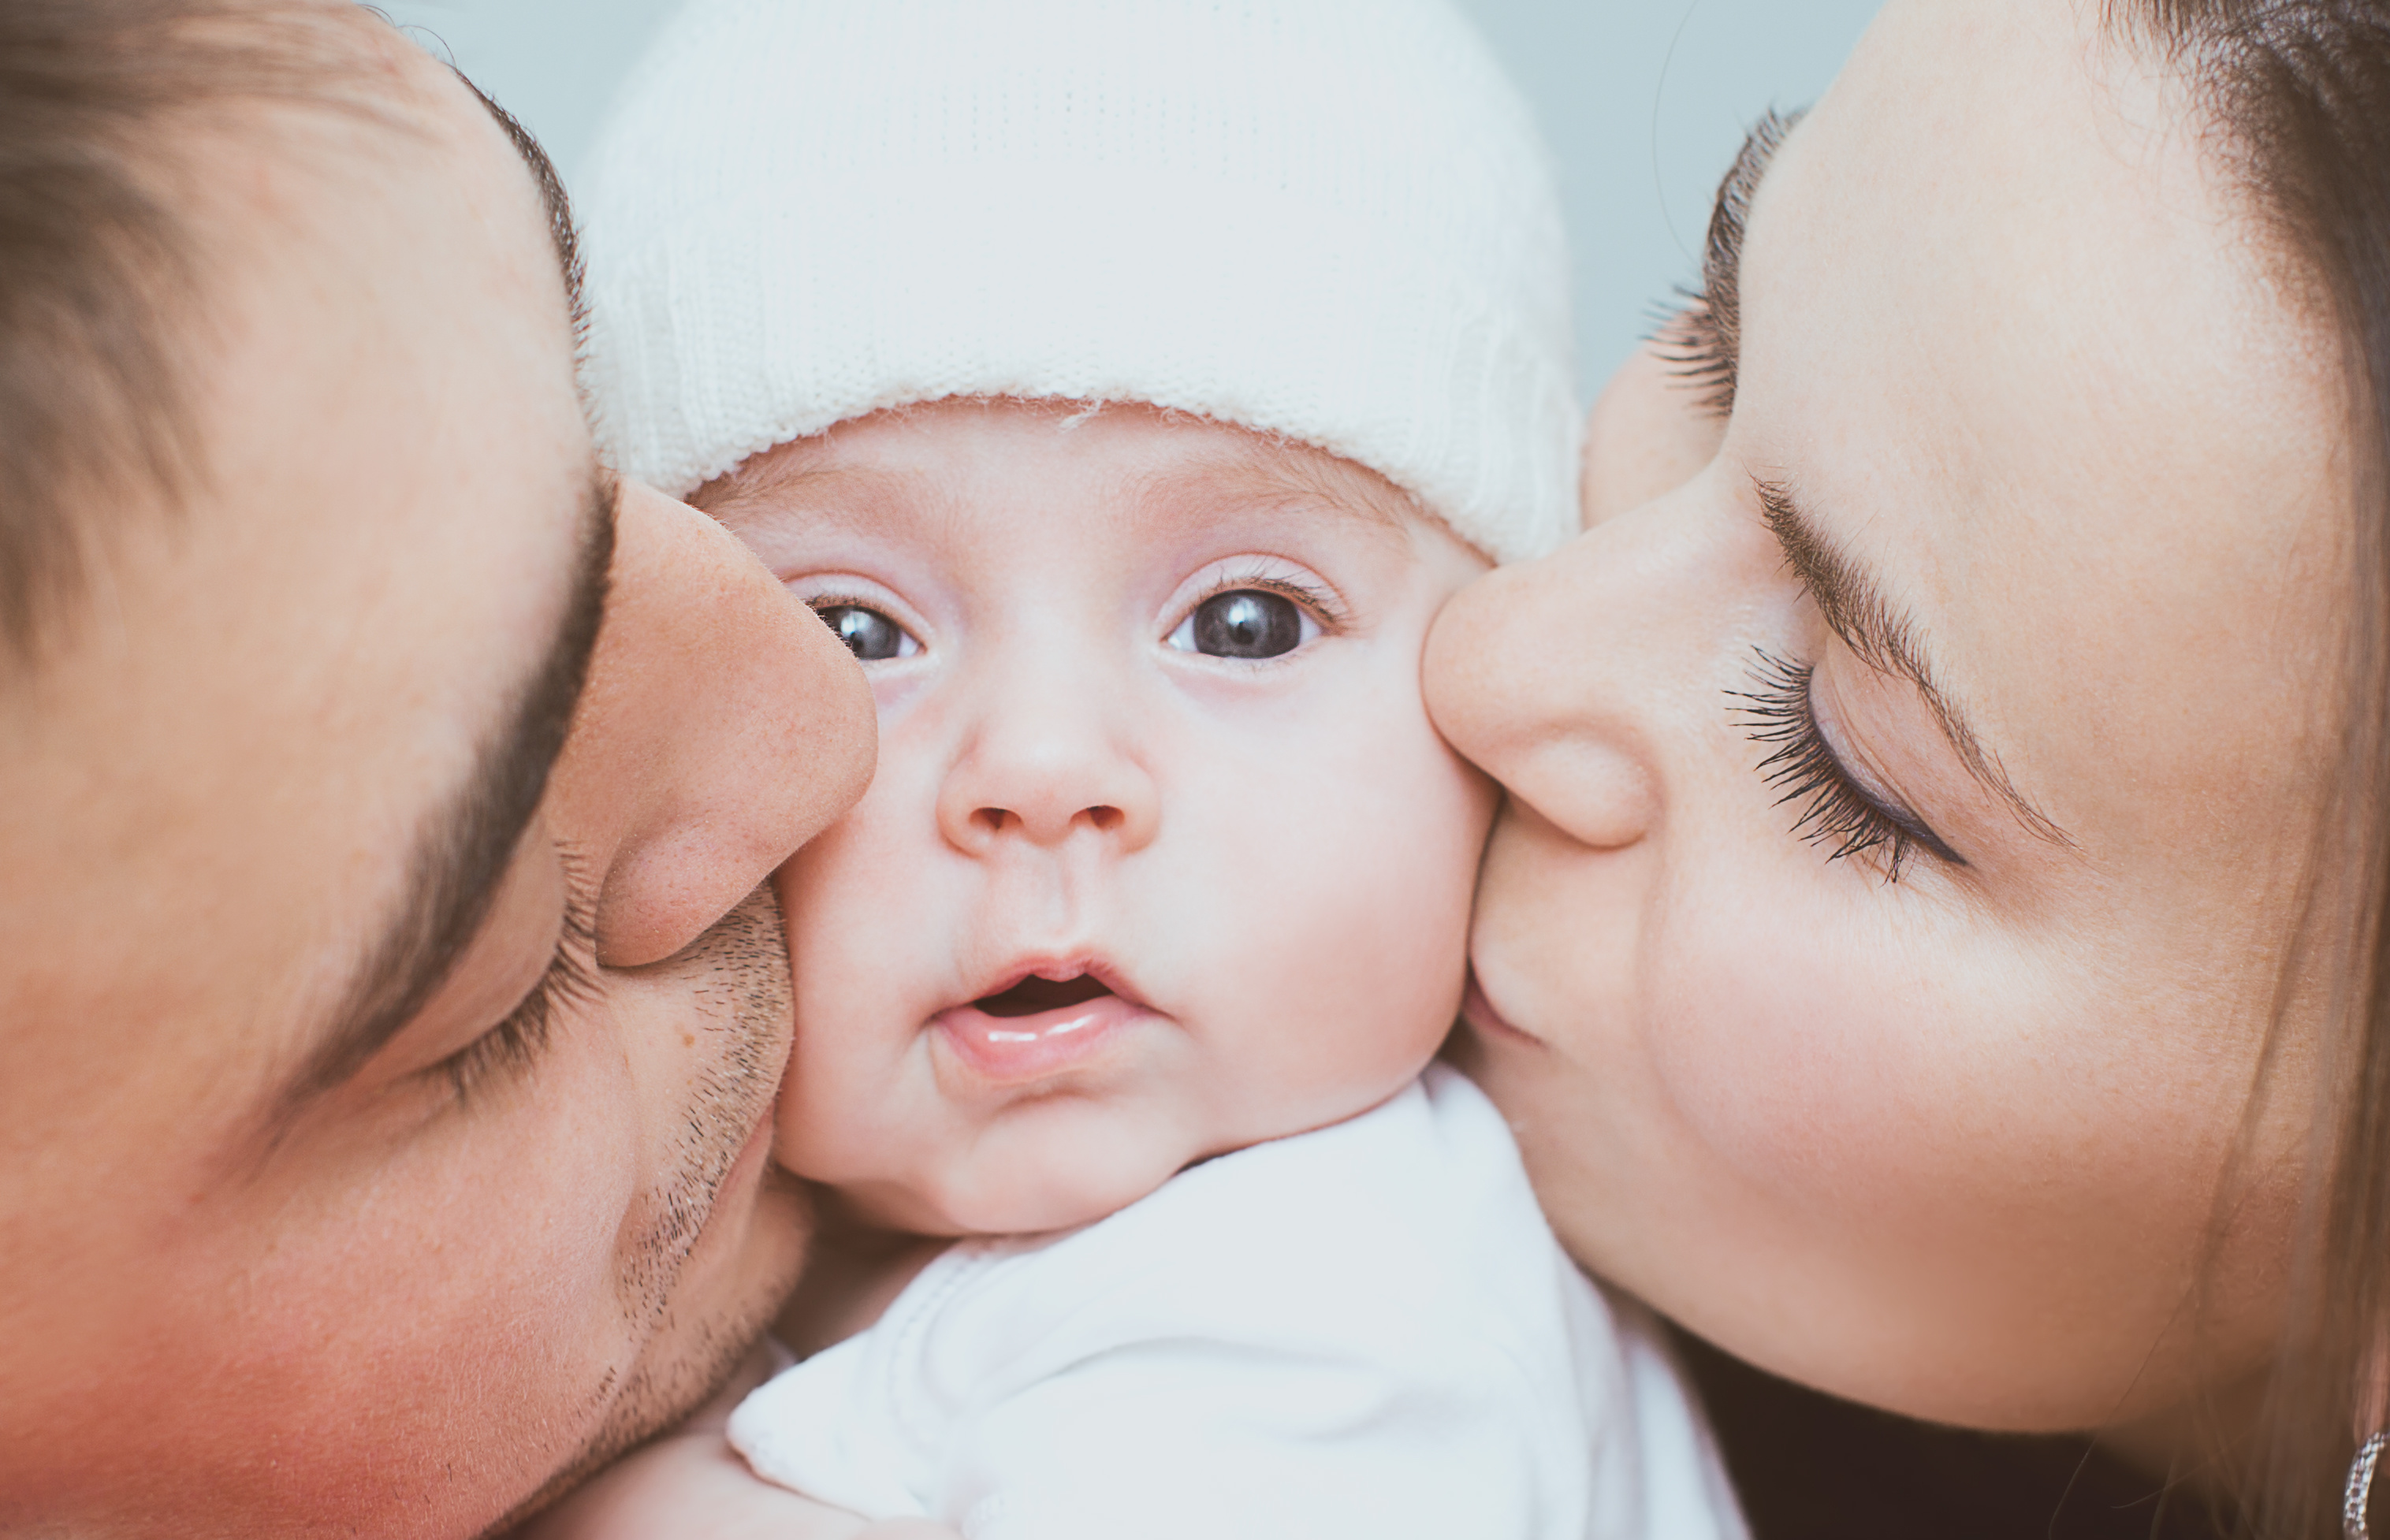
<point x="1031" y="988"/>
<point x="1039" y="1026"/>
<point x="1034" y="995"/>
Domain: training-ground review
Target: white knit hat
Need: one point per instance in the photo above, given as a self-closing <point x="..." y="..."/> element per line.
<point x="1331" y="219"/>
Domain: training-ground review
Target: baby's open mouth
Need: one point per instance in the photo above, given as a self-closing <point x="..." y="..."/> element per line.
<point x="1034" y="995"/>
<point x="1039" y="1028"/>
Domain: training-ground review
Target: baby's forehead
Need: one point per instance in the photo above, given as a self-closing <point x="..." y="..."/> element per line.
<point x="1159" y="467"/>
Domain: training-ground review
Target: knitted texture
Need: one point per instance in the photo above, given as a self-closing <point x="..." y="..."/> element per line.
<point x="1330" y="219"/>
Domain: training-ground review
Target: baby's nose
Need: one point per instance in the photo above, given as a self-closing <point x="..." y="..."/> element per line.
<point x="1046" y="782"/>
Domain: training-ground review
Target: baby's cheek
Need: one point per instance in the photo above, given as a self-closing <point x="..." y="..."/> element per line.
<point x="1379" y="937"/>
<point x="788" y="1114"/>
<point x="855" y="967"/>
<point x="786" y="1127"/>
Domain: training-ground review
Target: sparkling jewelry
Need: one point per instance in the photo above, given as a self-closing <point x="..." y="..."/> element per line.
<point x="2360" y="1488"/>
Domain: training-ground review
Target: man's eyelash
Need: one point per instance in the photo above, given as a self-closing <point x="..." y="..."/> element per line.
<point x="571" y="979"/>
<point x="1837" y="812"/>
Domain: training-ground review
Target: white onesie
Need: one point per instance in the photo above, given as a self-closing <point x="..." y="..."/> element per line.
<point x="1366" y="1332"/>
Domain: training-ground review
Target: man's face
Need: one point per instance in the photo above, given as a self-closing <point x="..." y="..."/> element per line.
<point x="382" y="1136"/>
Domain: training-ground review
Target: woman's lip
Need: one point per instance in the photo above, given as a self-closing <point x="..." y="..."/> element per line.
<point x="1019" y="1050"/>
<point x="1479" y="1012"/>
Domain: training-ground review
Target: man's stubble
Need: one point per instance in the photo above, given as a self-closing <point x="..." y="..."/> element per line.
<point x="741" y="1007"/>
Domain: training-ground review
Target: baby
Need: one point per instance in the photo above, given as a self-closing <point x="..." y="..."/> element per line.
<point x="1128" y="382"/>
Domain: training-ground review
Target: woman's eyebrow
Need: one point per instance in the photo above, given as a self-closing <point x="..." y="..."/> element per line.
<point x="1888" y="641"/>
<point x="1705" y="341"/>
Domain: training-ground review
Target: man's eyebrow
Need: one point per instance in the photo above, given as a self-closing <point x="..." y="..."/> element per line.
<point x="1888" y="641"/>
<point x="464" y="848"/>
<point x="1704" y="340"/>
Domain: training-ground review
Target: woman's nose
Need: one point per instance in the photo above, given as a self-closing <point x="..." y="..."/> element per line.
<point x="1569" y="679"/>
<point x="1048" y="763"/>
<point x="1564" y="678"/>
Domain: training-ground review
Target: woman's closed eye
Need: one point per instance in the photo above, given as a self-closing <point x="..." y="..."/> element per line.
<point x="1837" y="811"/>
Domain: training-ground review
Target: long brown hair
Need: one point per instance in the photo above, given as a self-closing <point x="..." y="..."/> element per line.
<point x="2301" y="91"/>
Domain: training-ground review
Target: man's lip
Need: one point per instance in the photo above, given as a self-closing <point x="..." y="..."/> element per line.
<point x="1479" y="1012"/>
<point x="1022" y="1050"/>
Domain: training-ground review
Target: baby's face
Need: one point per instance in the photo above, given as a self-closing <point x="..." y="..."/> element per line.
<point x="1163" y="857"/>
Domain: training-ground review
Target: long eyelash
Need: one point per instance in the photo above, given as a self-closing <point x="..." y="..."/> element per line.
<point x="1692" y="338"/>
<point x="571" y="979"/>
<point x="1705" y="339"/>
<point x="1837" y="813"/>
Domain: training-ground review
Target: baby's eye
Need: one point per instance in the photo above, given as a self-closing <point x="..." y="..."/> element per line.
<point x="1244" y="622"/>
<point x="867" y="634"/>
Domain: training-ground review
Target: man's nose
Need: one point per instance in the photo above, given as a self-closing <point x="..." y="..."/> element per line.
<point x="1053" y="756"/>
<point x="722" y="726"/>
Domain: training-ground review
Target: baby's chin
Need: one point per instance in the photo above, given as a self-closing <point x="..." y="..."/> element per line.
<point x="1028" y="1181"/>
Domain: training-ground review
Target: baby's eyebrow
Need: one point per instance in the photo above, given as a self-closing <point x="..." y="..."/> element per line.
<point x="1287" y="481"/>
<point x="776" y="486"/>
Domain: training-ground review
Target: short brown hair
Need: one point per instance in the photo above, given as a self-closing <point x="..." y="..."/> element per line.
<point x="99" y="281"/>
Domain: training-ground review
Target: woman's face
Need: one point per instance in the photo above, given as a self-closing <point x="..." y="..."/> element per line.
<point x="1907" y="812"/>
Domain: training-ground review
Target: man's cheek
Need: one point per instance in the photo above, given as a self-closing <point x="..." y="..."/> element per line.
<point x="367" y="1354"/>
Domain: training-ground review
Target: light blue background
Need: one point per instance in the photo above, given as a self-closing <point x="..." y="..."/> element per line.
<point x="1645" y="102"/>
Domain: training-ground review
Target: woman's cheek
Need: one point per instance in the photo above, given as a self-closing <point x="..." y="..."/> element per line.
<point x="1947" y="1147"/>
<point x="1834" y="1065"/>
